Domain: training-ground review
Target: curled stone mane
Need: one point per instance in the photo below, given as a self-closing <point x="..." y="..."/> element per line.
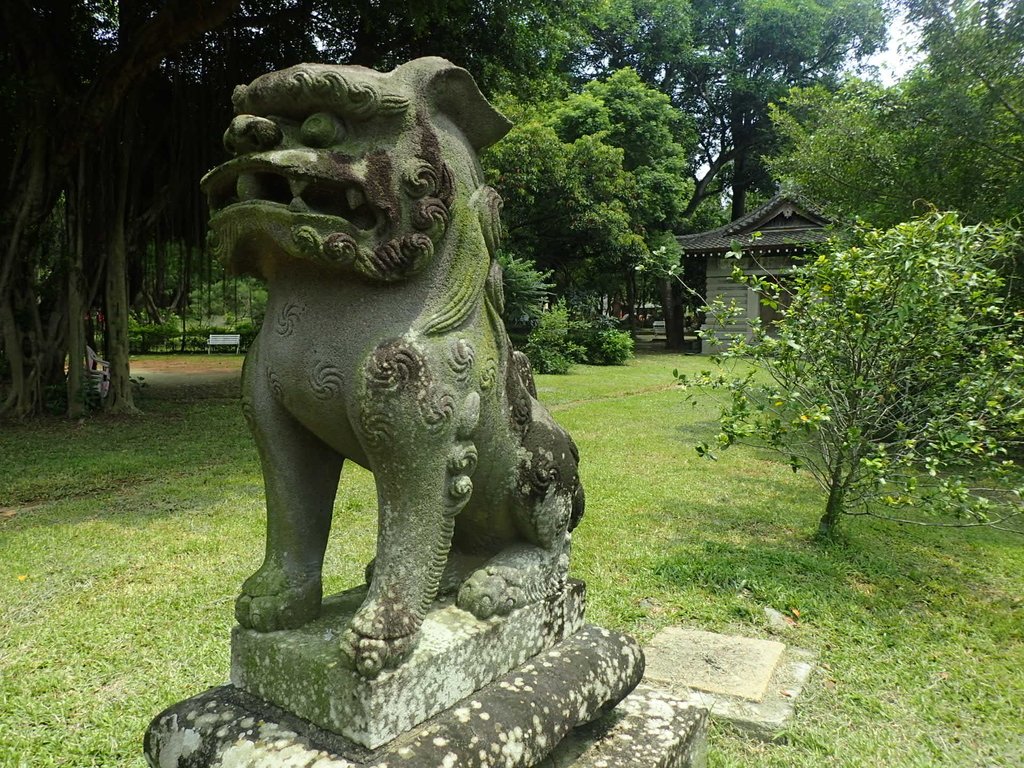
<point x="291" y="91"/>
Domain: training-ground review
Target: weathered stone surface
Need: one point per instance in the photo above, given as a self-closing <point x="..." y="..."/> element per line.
<point x="358" y="197"/>
<point x="304" y="671"/>
<point x="734" y="666"/>
<point x="513" y="722"/>
<point x="650" y="728"/>
<point x="778" y="677"/>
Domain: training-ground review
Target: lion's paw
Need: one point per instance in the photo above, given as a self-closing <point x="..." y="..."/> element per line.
<point x="380" y="636"/>
<point x="492" y="591"/>
<point x="371" y="655"/>
<point x="271" y="601"/>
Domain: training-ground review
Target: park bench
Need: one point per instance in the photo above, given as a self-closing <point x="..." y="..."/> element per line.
<point x="97" y="370"/>
<point x="659" y="329"/>
<point x="224" y="340"/>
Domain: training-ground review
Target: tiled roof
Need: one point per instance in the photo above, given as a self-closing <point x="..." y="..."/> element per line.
<point x="785" y="224"/>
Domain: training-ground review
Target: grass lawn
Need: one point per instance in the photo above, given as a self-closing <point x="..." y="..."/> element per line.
<point x="123" y="543"/>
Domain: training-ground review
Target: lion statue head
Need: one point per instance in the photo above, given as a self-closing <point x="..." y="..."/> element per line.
<point x="351" y="168"/>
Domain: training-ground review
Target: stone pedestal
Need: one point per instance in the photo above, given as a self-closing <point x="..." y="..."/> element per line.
<point x="535" y="688"/>
<point x="520" y="720"/>
<point x="303" y="671"/>
<point x="650" y="728"/>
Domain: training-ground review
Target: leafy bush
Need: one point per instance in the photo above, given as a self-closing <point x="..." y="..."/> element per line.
<point x="153" y="337"/>
<point x="549" y="346"/>
<point x="895" y="376"/>
<point x="167" y="337"/>
<point x="614" y="348"/>
<point x="525" y="290"/>
<point x="602" y="343"/>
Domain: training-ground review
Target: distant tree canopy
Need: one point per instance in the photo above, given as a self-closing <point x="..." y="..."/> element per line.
<point x="615" y="158"/>
<point x="950" y="135"/>
<point x="638" y="116"/>
<point x="723" y="63"/>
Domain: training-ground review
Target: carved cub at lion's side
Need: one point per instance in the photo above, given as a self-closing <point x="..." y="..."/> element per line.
<point x="357" y="196"/>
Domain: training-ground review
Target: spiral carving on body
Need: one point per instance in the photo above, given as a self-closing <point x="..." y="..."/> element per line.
<point x="288" y="319"/>
<point x="326" y="380"/>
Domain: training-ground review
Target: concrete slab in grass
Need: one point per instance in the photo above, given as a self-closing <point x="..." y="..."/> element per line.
<point x="750" y="683"/>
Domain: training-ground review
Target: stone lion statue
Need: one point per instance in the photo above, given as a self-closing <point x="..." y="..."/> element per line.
<point x="358" y="197"/>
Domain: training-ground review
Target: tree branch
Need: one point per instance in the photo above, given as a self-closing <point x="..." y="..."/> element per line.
<point x="175" y="24"/>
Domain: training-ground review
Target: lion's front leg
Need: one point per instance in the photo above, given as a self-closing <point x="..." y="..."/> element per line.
<point x="414" y="536"/>
<point x="301" y="478"/>
<point x="416" y="430"/>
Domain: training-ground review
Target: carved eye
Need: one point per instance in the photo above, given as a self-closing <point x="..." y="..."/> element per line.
<point x="249" y="133"/>
<point x="321" y="130"/>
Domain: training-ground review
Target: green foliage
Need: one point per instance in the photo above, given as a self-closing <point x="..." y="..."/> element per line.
<point x="609" y="347"/>
<point x="724" y="63"/>
<point x="525" y="290"/>
<point x="601" y="342"/>
<point x="153" y="337"/>
<point x="896" y="375"/>
<point x="883" y="153"/>
<point x="636" y="117"/>
<point x="549" y="346"/>
<point x="564" y="202"/>
<point x="228" y="301"/>
<point x="949" y="135"/>
<point x="168" y="337"/>
<point x="589" y="180"/>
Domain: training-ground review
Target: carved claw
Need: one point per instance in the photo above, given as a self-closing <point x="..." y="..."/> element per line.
<point x="380" y="636"/>
<point x="271" y="601"/>
<point x="371" y="655"/>
<point x="491" y="591"/>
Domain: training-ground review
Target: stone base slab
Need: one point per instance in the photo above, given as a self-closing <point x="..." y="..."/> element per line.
<point x="753" y="685"/>
<point x="650" y="728"/>
<point x="514" y="722"/>
<point x="304" y="671"/>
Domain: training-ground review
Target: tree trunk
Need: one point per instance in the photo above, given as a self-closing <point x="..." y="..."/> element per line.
<point x="829" y="523"/>
<point x="76" y="379"/>
<point x="632" y="300"/>
<point x="159" y="297"/>
<point x="24" y="209"/>
<point x="18" y="400"/>
<point x="119" y="397"/>
<point x="740" y="183"/>
<point x="75" y="288"/>
<point x="52" y="96"/>
<point x="672" y="306"/>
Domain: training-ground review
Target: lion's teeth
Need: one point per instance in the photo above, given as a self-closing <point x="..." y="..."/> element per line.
<point x="355" y="197"/>
<point x="297" y="186"/>
<point x="298" y="205"/>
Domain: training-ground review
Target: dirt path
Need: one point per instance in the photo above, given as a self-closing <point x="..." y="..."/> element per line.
<point x="191" y="370"/>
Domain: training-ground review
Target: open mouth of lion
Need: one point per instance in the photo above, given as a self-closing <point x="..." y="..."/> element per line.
<point x="301" y="195"/>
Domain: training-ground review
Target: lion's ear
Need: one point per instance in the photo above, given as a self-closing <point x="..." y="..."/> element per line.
<point x="453" y="92"/>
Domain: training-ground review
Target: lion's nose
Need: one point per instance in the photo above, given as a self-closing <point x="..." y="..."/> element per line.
<point x="248" y="133"/>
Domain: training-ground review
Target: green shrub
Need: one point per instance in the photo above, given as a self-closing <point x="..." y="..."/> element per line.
<point x="549" y="346"/>
<point x="601" y="345"/>
<point x="895" y="374"/>
<point x="248" y="332"/>
<point x="525" y="290"/>
<point x="153" y="337"/>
